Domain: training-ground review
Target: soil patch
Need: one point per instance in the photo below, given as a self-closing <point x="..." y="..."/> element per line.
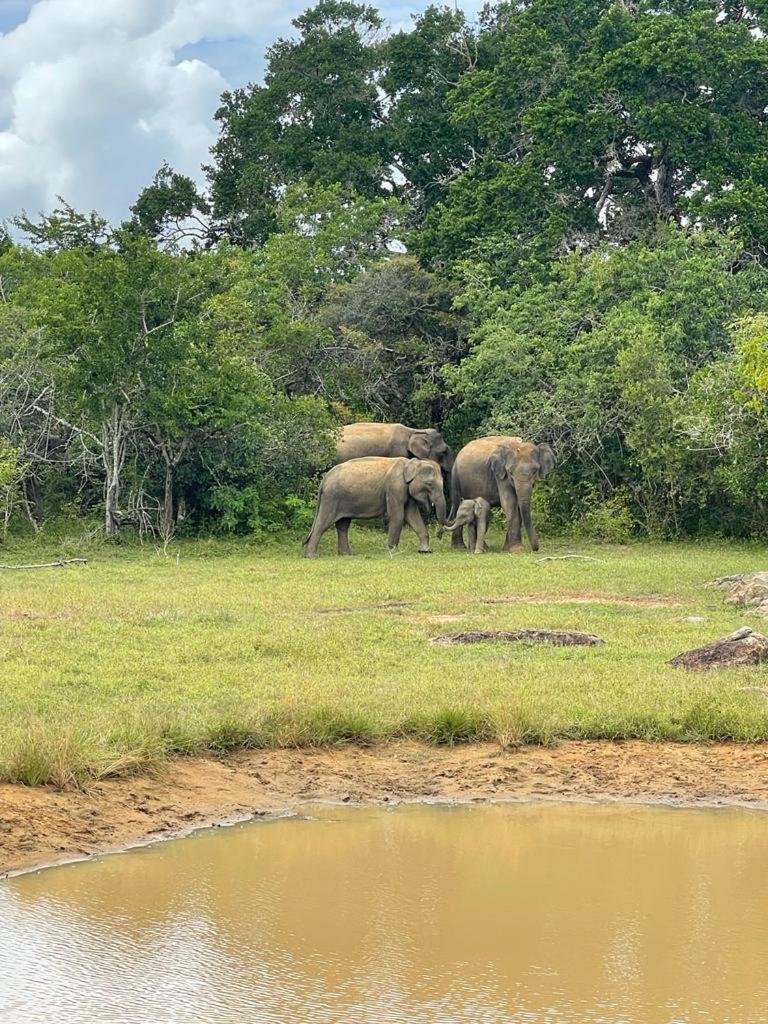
<point x="42" y="826"/>
<point x="638" y="601"/>
<point x="554" y="637"/>
<point x="737" y="650"/>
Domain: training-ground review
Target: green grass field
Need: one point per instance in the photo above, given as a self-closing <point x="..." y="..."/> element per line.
<point x="110" y="667"/>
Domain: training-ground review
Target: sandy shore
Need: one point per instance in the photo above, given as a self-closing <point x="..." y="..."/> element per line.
<point x="44" y="826"/>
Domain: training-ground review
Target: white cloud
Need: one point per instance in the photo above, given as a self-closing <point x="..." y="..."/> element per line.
<point x="93" y="96"/>
<point x="96" y="94"/>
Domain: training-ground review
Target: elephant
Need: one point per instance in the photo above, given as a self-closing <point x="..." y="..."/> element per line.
<point x="372" y="487"/>
<point x="391" y="440"/>
<point x="503" y="470"/>
<point x="472" y="513"/>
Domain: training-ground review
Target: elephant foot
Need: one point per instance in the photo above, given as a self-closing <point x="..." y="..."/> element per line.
<point x="425" y="551"/>
<point x="478" y="551"/>
<point x="310" y="554"/>
<point x="346" y="554"/>
<point x="518" y="549"/>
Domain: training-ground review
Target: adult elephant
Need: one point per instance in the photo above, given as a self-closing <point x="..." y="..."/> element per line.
<point x="393" y="440"/>
<point x="503" y="470"/>
<point x="371" y="487"/>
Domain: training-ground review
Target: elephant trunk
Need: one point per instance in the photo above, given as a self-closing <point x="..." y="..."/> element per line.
<point x="525" y="515"/>
<point x="440" y="511"/>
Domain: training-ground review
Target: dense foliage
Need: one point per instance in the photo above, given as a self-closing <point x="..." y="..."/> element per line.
<point x="552" y="222"/>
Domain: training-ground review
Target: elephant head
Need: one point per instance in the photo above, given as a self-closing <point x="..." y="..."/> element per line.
<point x="464" y="516"/>
<point x="429" y="444"/>
<point x="522" y="464"/>
<point x="424" y="481"/>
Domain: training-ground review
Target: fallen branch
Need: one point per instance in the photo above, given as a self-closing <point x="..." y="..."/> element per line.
<point x="49" y="565"/>
<point x="558" y="558"/>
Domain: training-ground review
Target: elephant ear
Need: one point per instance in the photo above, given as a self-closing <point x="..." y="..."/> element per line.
<point x="546" y="459"/>
<point x="499" y="462"/>
<point x="410" y="469"/>
<point x="419" y="446"/>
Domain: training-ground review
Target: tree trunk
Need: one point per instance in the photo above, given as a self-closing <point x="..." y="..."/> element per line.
<point x="113" y="433"/>
<point x="171" y="460"/>
<point x="168" y="520"/>
<point x="664" y="191"/>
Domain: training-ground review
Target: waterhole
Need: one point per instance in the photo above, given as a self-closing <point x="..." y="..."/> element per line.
<point x="489" y="915"/>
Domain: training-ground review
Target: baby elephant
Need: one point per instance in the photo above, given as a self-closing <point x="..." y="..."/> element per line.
<point x="473" y="513"/>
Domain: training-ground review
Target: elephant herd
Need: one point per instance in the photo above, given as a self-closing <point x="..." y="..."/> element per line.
<point x="393" y="471"/>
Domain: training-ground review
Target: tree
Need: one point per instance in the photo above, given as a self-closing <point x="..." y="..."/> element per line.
<point x="395" y="330"/>
<point x="599" y="119"/>
<point x="117" y="326"/>
<point x="324" y="237"/>
<point x="318" y="118"/>
<point x="144" y="362"/>
<point x="11" y="476"/>
<point x="172" y="210"/>
<point x="28" y="417"/>
<point x="65" y="228"/>
<point x="600" y="360"/>
<point x="421" y="68"/>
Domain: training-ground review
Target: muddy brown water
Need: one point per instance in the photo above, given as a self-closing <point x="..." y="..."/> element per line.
<point x="482" y="914"/>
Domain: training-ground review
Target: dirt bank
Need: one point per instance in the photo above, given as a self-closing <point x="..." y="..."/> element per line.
<point x="43" y="826"/>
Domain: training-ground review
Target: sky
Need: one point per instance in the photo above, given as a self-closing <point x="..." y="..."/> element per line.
<point x="96" y="94"/>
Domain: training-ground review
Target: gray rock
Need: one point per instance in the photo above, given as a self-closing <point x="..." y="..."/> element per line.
<point x="740" y="649"/>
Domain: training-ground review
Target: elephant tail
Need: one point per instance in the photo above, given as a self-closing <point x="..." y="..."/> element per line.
<point x="317" y="513"/>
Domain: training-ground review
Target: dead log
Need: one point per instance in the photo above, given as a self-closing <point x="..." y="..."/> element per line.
<point x="49" y="565"/>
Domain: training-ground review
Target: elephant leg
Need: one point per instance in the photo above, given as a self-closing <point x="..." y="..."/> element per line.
<point x="396" y="518"/>
<point x="472" y="534"/>
<point x="457" y="539"/>
<point x="416" y="523"/>
<point x="511" y="509"/>
<point x="514" y="530"/>
<point x="342" y="532"/>
<point x="482" y="527"/>
<point x="324" y="520"/>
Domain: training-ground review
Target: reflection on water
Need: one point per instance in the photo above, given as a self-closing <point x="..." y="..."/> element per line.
<point x="487" y="915"/>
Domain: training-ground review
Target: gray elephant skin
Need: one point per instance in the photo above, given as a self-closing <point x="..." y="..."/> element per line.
<point x="371" y="487"/>
<point x="393" y="440"/>
<point x="504" y="471"/>
<point x="474" y="514"/>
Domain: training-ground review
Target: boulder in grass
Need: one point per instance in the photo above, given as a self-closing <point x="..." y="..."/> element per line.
<point x="746" y="590"/>
<point x="555" y="637"/>
<point x="737" y="650"/>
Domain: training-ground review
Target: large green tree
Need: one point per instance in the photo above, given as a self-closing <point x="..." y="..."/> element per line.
<point x="599" y="118"/>
<point x="318" y="117"/>
<point x="422" y="66"/>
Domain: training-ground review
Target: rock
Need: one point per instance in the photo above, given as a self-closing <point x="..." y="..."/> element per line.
<point x="746" y="590"/>
<point x="737" y="650"/>
<point x="537" y="636"/>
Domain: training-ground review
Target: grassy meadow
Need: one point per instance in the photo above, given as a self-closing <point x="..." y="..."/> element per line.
<point x="110" y="667"/>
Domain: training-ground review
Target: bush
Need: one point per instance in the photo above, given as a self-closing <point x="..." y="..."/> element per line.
<point x="609" y="521"/>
